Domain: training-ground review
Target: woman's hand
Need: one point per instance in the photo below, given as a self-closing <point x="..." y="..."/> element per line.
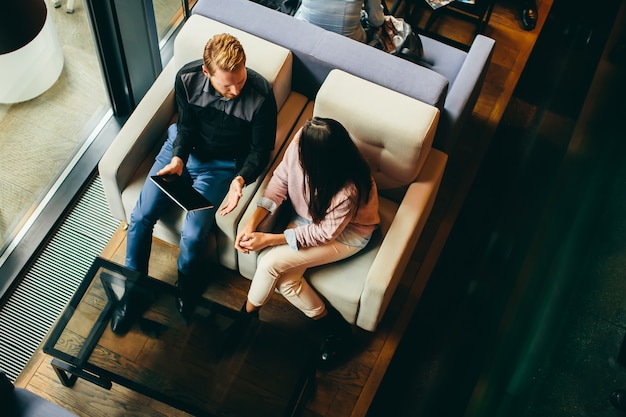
<point x="243" y="236"/>
<point x="250" y="240"/>
<point x="253" y="241"/>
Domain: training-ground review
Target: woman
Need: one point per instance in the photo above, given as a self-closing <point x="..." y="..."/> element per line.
<point x="342" y="16"/>
<point x="335" y="202"/>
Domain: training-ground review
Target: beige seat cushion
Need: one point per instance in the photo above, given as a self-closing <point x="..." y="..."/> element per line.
<point x="393" y="132"/>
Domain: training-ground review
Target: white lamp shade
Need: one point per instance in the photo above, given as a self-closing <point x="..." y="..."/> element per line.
<point x="32" y="69"/>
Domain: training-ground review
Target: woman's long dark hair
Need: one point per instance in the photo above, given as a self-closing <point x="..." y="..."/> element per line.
<point x="330" y="161"/>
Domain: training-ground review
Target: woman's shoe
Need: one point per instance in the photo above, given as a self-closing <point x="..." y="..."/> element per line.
<point x="618" y="399"/>
<point x="336" y="343"/>
<point x="334" y="350"/>
<point x="254" y="313"/>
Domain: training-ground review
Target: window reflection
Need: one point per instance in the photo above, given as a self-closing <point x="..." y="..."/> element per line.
<point x="39" y="137"/>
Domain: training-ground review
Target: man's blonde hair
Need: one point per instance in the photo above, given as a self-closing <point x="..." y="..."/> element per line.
<point x="225" y="52"/>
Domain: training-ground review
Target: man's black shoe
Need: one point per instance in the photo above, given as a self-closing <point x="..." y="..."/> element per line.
<point x="187" y="297"/>
<point x="122" y="317"/>
<point x="529" y="14"/>
<point x="618" y="399"/>
<point x="186" y="307"/>
<point x="129" y="308"/>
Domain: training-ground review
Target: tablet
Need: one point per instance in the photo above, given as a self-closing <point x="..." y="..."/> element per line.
<point x="181" y="192"/>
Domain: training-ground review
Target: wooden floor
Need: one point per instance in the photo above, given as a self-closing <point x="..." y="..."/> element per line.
<point x="349" y="389"/>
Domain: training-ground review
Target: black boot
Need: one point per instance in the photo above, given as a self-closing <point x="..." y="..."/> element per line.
<point x="618" y="399"/>
<point x="529" y="14"/>
<point x="254" y="313"/>
<point x="132" y="304"/>
<point x="337" y="339"/>
<point x="188" y="295"/>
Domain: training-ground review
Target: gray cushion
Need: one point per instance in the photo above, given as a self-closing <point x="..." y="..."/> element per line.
<point x="318" y="51"/>
<point x="32" y="405"/>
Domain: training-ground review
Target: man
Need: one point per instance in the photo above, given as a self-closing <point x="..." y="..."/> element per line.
<point x="222" y="141"/>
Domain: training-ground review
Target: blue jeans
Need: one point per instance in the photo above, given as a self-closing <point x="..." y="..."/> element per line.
<point x="212" y="179"/>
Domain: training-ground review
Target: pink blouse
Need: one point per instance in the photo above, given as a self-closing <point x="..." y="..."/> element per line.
<point x="339" y="222"/>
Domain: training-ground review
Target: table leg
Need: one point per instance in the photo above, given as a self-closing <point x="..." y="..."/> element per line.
<point x="68" y="374"/>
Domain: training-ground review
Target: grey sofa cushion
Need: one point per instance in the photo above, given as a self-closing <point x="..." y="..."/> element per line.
<point x="382" y="68"/>
<point x="7" y="396"/>
<point x="318" y="51"/>
<point x="447" y="78"/>
<point x="18" y="402"/>
<point x="32" y="405"/>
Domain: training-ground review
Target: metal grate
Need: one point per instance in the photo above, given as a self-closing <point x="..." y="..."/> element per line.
<point x="52" y="279"/>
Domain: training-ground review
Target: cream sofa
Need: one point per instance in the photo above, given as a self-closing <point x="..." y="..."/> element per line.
<point x="125" y="164"/>
<point x="395" y="134"/>
<point x="393" y="130"/>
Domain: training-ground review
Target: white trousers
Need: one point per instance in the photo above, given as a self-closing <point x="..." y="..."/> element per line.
<point x="282" y="268"/>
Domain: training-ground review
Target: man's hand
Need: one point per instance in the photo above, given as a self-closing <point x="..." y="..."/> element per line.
<point x="235" y="192"/>
<point x="175" y="167"/>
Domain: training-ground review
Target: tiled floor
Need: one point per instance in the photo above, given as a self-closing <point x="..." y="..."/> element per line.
<point x="524" y="314"/>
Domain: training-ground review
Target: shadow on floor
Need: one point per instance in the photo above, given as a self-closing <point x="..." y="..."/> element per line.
<point x="523" y="313"/>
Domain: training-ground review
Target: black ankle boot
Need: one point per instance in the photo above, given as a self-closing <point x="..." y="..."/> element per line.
<point x="529" y="14"/>
<point x="187" y="296"/>
<point x="337" y="339"/>
<point x="132" y="304"/>
<point x="254" y="313"/>
<point x="123" y="316"/>
<point x="618" y="399"/>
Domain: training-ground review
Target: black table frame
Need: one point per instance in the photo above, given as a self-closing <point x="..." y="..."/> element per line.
<point x="69" y="368"/>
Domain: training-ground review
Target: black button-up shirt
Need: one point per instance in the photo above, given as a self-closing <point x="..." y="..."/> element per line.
<point x="213" y="127"/>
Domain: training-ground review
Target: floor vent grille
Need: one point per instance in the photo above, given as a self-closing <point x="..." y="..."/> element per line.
<point x="49" y="283"/>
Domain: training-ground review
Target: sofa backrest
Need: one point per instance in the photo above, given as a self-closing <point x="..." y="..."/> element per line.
<point x="318" y="51"/>
<point x="394" y="132"/>
<point x="272" y="61"/>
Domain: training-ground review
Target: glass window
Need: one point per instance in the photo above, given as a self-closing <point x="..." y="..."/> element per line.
<point x="41" y="136"/>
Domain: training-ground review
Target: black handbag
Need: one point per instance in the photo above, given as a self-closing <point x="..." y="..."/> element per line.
<point x="396" y="37"/>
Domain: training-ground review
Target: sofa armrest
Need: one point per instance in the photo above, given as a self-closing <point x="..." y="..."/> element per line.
<point x="287" y="124"/>
<point x="397" y="246"/>
<point x="139" y="136"/>
<point x="464" y="92"/>
<point x="246" y="262"/>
